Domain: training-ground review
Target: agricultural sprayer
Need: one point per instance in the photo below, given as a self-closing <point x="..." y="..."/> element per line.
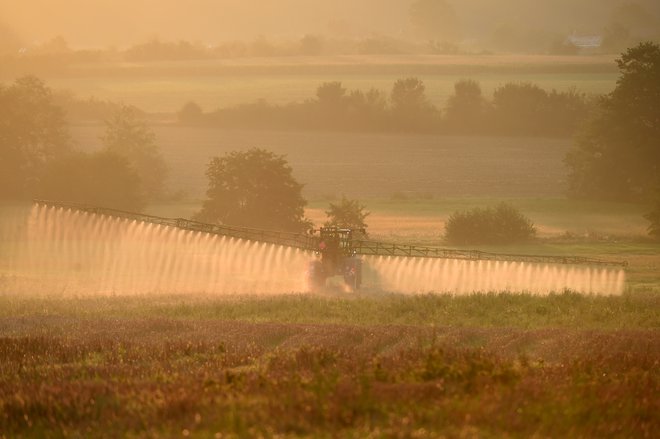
<point x="344" y="252"/>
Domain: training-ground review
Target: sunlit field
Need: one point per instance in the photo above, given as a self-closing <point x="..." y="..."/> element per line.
<point x="296" y="219"/>
<point x="214" y="84"/>
<point x="327" y="366"/>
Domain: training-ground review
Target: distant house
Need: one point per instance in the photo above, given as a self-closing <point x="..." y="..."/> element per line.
<point x="585" y="42"/>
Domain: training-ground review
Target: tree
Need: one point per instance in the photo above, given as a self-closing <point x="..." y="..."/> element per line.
<point x="435" y="19"/>
<point x="33" y="131"/>
<point x="103" y="178"/>
<point x="128" y="135"/>
<point x="331" y="96"/>
<point x="466" y="108"/>
<point x="348" y="214"/>
<point x="330" y="108"/>
<point x="519" y="108"/>
<point x="617" y="157"/>
<point x="411" y="109"/>
<point x="367" y="110"/>
<point x="254" y="188"/>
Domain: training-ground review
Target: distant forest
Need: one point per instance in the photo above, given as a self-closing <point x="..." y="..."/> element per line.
<point x="516" y="109"/>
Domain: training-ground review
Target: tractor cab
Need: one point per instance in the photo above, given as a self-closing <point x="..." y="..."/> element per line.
<point x="334" y="242"/>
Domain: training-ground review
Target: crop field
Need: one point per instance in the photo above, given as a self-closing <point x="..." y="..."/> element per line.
<point x="295" y="366"/>
<point x="221" y="83"/>
<point x="367" y="364"/>
<point x="411" y="183"/>
<point x="370" y="165"/>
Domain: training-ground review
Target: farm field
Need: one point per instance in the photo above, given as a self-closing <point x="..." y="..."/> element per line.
<point x="336" y="364"/>
<point x="294" y="366"/>
<point x="370" y="165"/>
<point x="415" y="216"/>
<point x="263" y="220"/>
<point x="221" y="83"/>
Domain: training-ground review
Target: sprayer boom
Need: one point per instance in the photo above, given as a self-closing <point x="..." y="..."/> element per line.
<point x="383" y="249"/>
<point x="333" y="244"/>
<point x="296" y="240"/>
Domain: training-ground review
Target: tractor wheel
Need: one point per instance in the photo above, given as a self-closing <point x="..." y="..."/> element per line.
<point x="353" y="273"/>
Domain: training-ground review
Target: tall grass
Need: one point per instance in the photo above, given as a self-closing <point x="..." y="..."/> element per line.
<point x="86" y="375"/>
<point x="568" y="310"/>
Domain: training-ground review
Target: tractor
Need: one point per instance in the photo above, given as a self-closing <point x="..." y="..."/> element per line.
<point x="336" y="256"/>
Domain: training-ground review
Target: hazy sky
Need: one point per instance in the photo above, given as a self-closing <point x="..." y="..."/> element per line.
<point x="102" y="23"/>
<point x="121" y="22"/>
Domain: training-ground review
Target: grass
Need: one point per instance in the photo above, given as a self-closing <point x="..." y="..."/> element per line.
<point x="166" y="367"/>
<point x="636" y="310"/>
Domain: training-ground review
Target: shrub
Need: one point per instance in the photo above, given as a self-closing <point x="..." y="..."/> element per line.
<point x="503" y="224"/>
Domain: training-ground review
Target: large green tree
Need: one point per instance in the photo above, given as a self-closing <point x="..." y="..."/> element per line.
<point x="254" y="188"/>
<point x="617" y="156"/>
<point x="32" y="132"/>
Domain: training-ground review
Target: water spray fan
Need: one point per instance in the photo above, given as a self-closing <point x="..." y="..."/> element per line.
<point x="328" y="252"/>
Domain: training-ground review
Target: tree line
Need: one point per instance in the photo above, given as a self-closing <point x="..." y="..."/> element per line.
<point x="616" y="155"/>
<point x="38" y="158"/>
<point x="429" y="27"/>
<point x="516" y="109"/>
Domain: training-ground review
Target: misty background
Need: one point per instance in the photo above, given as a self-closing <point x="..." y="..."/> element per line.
<point x="482" y="23"/>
